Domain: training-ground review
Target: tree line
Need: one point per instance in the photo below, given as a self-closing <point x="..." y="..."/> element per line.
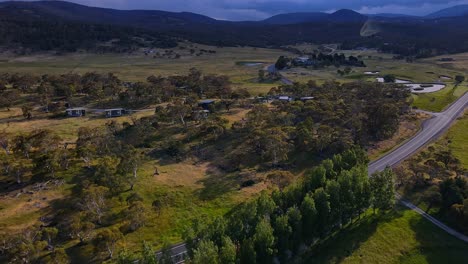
<point x="275" y="227"/>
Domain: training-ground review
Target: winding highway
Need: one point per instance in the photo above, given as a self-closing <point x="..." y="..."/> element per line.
<point x="431" y="130"/>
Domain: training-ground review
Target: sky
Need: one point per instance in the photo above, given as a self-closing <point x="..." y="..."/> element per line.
<point x="260" y="9"/>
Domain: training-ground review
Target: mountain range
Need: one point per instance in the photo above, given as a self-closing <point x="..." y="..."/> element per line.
<point x="46" y="25"/>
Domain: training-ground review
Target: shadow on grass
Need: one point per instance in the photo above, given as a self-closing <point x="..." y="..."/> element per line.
<point x="217" y="184"/>
<point x="344" y="242"/>
<point x="435" y="245"/>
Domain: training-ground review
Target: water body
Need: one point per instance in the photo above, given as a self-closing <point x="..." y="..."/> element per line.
<point x="418" y="87"/>
<point x="371" y="72"/>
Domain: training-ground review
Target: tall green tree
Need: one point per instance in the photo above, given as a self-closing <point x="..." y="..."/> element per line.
<point x="383" y="189"/>
<point x="206" y="252"/>
<point x="264" y="241"/>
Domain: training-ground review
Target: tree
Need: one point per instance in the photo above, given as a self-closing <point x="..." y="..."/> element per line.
<point x="309" y="217"/>
<point x="130" y="160"/>
<point x="94" y="202"/>
<point x="281" y="63"/>
<point x="227" y="252"/>
<point x="248" y="255"/>
<point x="8" y="98"/>
<point x="261" y="75"/>
<point x="389" y="78"/>
<point x="106" y="241"/>
<point x="283" y="232"/>
<point x="49" y="234"/>
<point x="206" y="252"/>
<point x="333" y="189"/>
<point x="58" y="256"/>
<point x="273" y="145"/>
<point x="295" y="221"/>
<point x="17" y="171"/>
<point x="432" y="196"/>
<point x="80" y="228"/>
<point x="264" y="240"/>
<point x="459" y="79"/>
<point x="323" y="210"/>
<point x="106" y="175"/>
<point x="383" y="189"/>
<point x="27" y="112"/>
<point x="125" y="257"/>
<point x="179" y="111"/>
<point x="265" y="205"/>
<point x="148" y="255"/>
<point x="136" y="216"/>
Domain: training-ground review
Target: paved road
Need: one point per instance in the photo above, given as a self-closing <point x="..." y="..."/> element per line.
<point x="431" y="130"/>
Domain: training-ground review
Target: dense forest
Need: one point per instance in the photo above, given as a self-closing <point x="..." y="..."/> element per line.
<point x="104" y="163"/>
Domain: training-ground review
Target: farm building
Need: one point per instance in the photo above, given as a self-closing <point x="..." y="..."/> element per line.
<point x="116" y="112"/>
<point x="76" y="112"/>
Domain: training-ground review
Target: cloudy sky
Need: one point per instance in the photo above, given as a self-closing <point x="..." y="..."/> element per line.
<point x="259" y="9"/>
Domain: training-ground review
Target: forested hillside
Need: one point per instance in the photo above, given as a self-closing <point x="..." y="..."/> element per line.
<point x="64" y="26"/>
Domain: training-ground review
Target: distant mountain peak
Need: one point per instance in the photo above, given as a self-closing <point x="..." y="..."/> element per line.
<point x="454" y="11"/>
<point x="347" y="15"/>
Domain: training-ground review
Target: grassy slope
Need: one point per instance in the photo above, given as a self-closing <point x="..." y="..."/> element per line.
<point x="459" y="140"/>
<point x="190" y="191"/>
<point x="402" y="236"/>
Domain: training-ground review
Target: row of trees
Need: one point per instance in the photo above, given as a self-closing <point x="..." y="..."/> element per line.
<point x="108" y="88"/>
<point x="277" y="226"/>
<point x="320" y="60"/>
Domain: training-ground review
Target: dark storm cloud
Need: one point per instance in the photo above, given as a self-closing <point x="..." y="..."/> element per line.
<point x="258" y="9"/>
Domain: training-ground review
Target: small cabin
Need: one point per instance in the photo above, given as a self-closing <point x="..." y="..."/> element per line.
<point x="75" y="112"/>
<point x="116" y="112"/>
<point x="306" y="98"/>
<point x="205" y="104"/>
<point x="285" y="98"/>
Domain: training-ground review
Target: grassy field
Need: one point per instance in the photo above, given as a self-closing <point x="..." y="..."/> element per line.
<point x="458" y="137"/>
<point x="137" y="66"/>
<point x="460" y="61"/>
<point x="438" y="101"/>
<point x="401" y="236"/>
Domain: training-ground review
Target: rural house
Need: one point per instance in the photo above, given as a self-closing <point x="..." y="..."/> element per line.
<point x="116" y="112"/>
<point x="75" y="112"/>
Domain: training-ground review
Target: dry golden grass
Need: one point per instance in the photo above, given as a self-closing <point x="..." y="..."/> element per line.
<point x="20" y="210"/>
<point x="13" y="122"/>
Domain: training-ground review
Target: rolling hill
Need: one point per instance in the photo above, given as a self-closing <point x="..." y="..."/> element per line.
<point x="455" y="11"/>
